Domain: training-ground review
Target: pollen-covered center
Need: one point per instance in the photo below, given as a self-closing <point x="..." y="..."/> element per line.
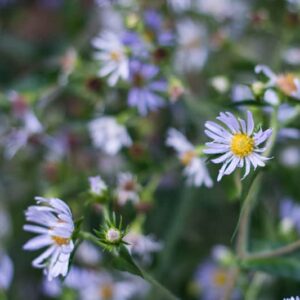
<point x="187" y="157"/>
<point x="220" y="278"/>
<point x="115" y="56"/>
<point x="60" y="241"/>
<point x="242" y="145"/>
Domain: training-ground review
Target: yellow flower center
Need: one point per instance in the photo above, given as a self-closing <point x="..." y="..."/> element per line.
<point x="60" y="241"/>
<point x="220" y="278"/>
<point x="187" y="157"/>
<point x="106" y="292"/>
<point x="286" y="83"/>
<point x="115" y="56"/>
<point x="242" y="144"/>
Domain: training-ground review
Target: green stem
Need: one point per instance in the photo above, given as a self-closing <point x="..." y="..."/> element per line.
<point x="165" y="293"/>
<point x="285" y="250"/>
<point x="256" y="285"/>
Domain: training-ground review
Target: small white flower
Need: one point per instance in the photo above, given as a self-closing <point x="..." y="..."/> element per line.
<point x="127" y="189"/>
<point x="54" y="228"/>
<point x="142" y="245"/>
<point x="287" y="83"/>
<point x="112" y="55"/>
<point x="108" y="135"/>
<point x="292" y="298"/>
<point x="195" y="169"/>
<point x="292" y="56"/>
<point x="220" y="84"/>
<point x="97" y="185"/>
<point x="6" y="271"/>
<point x="180" y="5"/>
<point x="237" y="144"/>
<point x="193" y="51"/>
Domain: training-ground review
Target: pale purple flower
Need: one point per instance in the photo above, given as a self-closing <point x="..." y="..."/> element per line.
<point x="97" y="185"/>
<point x="288" y="84"/>
<point x="112" y="55"/>
<point x="236" y="144"/>
<point x="195" y="169"/>
<point x="108" y="135"/>
<point x="292" y="298"/>
<point x="290" y="215"/>
<point x="127" y="189"/>
<point x="145" y="88"/>
<point x="180" y="5"/>
<point x="6" y="271"/>
<point x="54" y="226"/>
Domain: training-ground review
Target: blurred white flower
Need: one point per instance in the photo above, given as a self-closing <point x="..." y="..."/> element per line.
<point x="142" y="245"/>
<point x="127" y="188"/>
<point x="54" y="228"/>
<point x="112" y="55"/>
<point x="97" y="185"/>
<point x="195" y="169"/>
<point x="237" y="144"/>
<point x="108" y="135"/>
<point x="6" y="271"/>
<point x="290" y="156"/>
<point x="220" y="84"/>
<point x="292" y="56"/>
<point x="180" y="5"/>
<point x="287" y="83"/>
<point x="193" y="46"/>
<point x="241" y="92"/>
<point x="88" y="254"/>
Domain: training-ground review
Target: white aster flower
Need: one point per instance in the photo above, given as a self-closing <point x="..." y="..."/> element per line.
<point x="127" y="188"/>
<point x="97" y="185"/>
<point x="180" y="5"/>
<point x="142" y="245"/>
<point x="287" y="83"/>
<point x="193" y="51"/>
<point x="54" y="228"/>
<point x="237" y="144"/>
<point x="6" y="271"/>
<point x="112" y="54"/>
<point x="108" y="135"/>
<point x="195" y="169"/>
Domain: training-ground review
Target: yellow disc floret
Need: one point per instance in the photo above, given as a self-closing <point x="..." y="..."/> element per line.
<point x="242" y="145"/>
<point x="187" y="157"/>
<point x="60" y="241"/>
<point x="220" y="278"/>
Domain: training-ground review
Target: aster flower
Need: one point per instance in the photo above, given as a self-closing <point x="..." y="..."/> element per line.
<point x="108" y="135"/>
<point x="288" y="84"/>
<point x="127" y="189"/>
<point x="195" y="169"/>
<point x="97" y="185"/>
<point x="290" y="215"/>
<point x="145" y="88"/>
<point x="237" y="145"/>
<point x="6" y="271"/>
<point x="142" y="245"/>
<point x="54" y="228"/>
<point x="112" y="55"/>
<point x="193" y="51"/>
<point x="180" y="5"/>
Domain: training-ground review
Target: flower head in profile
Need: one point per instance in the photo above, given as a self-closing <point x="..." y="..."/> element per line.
<point x="52" y="219"/>
<point x="144" y="94"/>
<point x="112" y="54"/>
<point x="127" y="189"/>
<point x="236" y="144"/>
<point x="195" y="169"/>
<point x="288" y="83"/>
<point x="108" y="135"/>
